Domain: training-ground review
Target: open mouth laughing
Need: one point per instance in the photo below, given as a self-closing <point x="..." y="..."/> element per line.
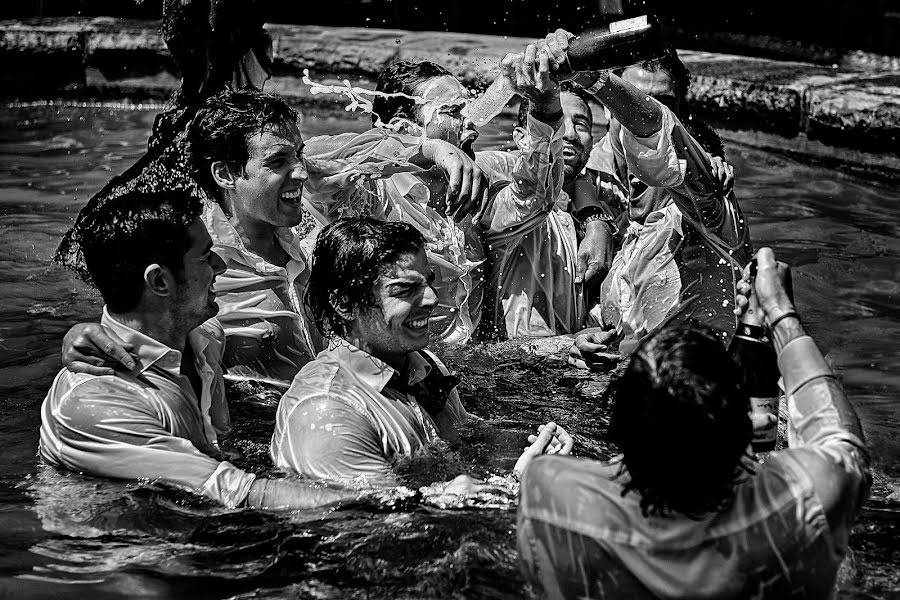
<point x="291" y="197"/>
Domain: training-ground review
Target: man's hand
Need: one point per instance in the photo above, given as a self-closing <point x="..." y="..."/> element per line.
<point x="551" y="439"/>
<point x="770" y="293"/>
<point x="467" y="186"/>
<point x="532" y="72"/>
<point x="463" y="485"/>
<point x="591" y="350"/>
<point x="87" y="348"/>
<point x="595" y="253"/>
<point x="723" y="173"/>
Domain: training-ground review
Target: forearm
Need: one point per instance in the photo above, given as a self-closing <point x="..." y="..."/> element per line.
<point x="631" y="107"/>
<point x="818" y="405"/>
<point x="287" y="494"/>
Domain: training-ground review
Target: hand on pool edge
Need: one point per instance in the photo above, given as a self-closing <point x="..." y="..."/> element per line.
<point x="88" y="348"/>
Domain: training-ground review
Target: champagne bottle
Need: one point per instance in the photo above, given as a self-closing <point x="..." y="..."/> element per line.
<point x="616" y="45"/>
<point x="754" y="353"/>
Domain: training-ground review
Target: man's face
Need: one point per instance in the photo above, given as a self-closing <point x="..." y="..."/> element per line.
<point x="269" y="189"/>
<point x="196" y="301"/>
<point x="398" y="323"/>
<point x="442" y="115"/>
<point x="577" y="140"/>
<point x="661" y="86"/>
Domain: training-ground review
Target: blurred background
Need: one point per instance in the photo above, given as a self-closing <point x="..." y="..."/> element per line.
<point x="773" y="28"/>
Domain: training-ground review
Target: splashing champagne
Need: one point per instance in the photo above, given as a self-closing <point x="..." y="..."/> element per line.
<point x="620" y="44"/>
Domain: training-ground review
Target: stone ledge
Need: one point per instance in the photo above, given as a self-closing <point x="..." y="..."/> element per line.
<point x="837" y="107"/>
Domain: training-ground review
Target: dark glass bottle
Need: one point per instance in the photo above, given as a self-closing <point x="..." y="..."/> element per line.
<point x="753" y="351"/>
<point x="616" y="45"/>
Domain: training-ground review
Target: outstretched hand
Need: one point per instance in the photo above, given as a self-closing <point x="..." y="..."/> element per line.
<point x="591" y="350"/>
<point x="88" y="348"/>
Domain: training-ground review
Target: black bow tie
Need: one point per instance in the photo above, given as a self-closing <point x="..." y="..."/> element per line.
<point x="431" y="393"/>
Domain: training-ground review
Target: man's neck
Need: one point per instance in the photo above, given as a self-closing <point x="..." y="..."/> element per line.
<point x="156" y="325"/>
<point x="261" y="239"/>
<point x="398" y="362"/>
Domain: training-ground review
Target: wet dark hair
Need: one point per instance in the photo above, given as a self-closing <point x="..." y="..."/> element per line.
<point x="225" y="123"/>
<point x="349" y="256"/>
<point x="128" y="233"/>
<point x="680" y="418"/>
<point x="566" y="86"/>
<point x="405" y="77"/>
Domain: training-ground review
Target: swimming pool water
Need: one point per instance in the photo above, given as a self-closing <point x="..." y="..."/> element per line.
<point x="67" y="535"/>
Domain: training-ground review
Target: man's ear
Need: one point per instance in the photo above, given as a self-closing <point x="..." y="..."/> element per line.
<point x="159" y="280"/>
<point x="521" y="138"/>
<point x="222" y="175"/>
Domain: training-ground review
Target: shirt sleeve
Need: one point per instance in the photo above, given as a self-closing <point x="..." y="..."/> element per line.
<point x="338" y="165"/>
<point x="102" y="428"/>
<point x="326" y="437"/>
<point x="815" y="425"/>
<point x="672" y="158"/>
<point x="536" y="176"/>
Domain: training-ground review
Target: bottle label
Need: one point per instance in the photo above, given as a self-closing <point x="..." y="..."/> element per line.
<point x="765" y="406"/>
<point x="628" y="24"/>
<point x="752" y="332"/>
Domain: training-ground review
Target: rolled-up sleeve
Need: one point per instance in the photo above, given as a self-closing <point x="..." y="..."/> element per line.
<point x="535" y="174"/>
<point x="672" y="158"/>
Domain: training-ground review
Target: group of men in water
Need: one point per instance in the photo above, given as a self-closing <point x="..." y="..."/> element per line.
<point x="424" y="239"/>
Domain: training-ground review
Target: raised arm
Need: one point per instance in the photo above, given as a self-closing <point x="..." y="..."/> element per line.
<point x="825" y="433"/>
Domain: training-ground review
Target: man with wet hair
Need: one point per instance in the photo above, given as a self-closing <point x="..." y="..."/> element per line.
<point x="713" y="522"/>
<point x="250" y="158"/>
<point x="431" y="103"/>
<point x="376" y="395"/>
<point x="545" y="246"/>
<point x="163" y="420"/>
<point x="685" y="235"/>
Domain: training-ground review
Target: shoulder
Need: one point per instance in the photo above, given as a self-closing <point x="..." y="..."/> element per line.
<point x="76" y="394"/>
<point x="323" y="382"/>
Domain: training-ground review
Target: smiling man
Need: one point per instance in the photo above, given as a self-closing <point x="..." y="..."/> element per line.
<point x="164" y="419"/>
<point x="685" y="235"/>
<point x="376" y="395"/>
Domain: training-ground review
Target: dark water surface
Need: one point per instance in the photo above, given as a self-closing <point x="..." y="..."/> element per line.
<point x="64" y="535"/>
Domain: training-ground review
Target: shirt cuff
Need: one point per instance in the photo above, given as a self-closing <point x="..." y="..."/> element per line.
<point x="228" y="485"/>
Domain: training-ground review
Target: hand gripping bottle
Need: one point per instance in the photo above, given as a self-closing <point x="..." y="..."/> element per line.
<point x="619" y="44"/>
<point x="753" y="351"/>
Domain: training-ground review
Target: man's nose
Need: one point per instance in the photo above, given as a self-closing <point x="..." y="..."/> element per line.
<point x="569" y="130"/>
<point x="299" y="171"/>
<point x="429" y="298"/>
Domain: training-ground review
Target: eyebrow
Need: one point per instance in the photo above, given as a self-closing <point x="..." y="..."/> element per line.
<point x="283" y="149"/>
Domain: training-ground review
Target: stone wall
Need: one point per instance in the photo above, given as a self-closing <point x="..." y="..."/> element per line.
<point x="841" y="112"/>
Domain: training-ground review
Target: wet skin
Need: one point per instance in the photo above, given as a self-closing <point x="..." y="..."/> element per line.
<point x="398" y="323"/>
<point x="194" y="296"/>
<point x="577" y="137"/>
<point x="446" y="99"/>
<point x="268" y="191"/>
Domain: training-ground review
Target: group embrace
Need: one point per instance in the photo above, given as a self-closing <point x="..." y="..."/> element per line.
<point x="638" y="237"/>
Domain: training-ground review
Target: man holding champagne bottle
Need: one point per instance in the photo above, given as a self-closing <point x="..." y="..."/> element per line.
<point x="714" y="524"/>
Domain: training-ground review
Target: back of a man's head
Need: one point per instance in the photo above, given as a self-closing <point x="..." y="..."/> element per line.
<point x="133" y="231"/>
<point x="403" y="77"/>
<point x="681" y="421"/>
<point x="224" y="124"/>
<point x="349" y="256"/>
